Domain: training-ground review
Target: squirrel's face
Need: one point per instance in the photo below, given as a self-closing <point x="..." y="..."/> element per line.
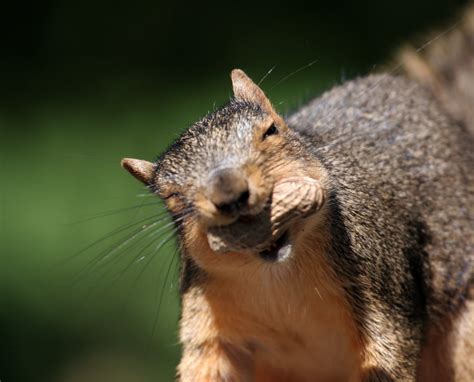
<point x="238" y="180"/>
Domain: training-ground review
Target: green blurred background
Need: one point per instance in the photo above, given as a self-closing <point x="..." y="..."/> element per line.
<point x="85" y="83"/>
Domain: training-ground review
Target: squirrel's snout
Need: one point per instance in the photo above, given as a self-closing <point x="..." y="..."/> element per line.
<point x="228" y="190"/>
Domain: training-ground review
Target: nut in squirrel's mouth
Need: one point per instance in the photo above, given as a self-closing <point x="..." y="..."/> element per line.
<point x="267" y="233"/>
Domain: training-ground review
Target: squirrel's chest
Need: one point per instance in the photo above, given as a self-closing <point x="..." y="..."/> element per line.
<point x="310" y="343"/>
<point x="300" y="332"/>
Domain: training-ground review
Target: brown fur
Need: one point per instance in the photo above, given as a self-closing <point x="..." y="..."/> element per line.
<point x="249" y="320"/>
<point x="376" y="285"/>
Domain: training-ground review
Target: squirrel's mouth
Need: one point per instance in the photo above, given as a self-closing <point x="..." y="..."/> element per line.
<point x="267" y="233"/>
<point x="278" y="250"/>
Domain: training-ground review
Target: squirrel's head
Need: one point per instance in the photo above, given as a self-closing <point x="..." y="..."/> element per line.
<point x="240" y="181"/>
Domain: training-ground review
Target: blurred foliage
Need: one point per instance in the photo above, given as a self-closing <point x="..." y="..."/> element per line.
<point x="84" y="84"/>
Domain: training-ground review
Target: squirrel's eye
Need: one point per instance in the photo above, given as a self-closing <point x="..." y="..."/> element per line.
<point x="272" y="130"/>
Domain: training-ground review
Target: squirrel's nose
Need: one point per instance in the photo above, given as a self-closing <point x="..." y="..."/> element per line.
<point x="228" y="190"/>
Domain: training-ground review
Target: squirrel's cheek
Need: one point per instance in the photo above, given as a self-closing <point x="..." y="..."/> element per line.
<point x="259" y="187"/>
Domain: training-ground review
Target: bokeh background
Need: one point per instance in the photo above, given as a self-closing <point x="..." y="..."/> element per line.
<point x="85" y="83"/>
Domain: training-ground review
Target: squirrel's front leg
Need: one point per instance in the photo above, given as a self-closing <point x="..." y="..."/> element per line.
<point x="207" y="357"/>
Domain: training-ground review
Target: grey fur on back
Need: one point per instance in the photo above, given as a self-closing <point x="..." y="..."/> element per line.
<point x="401" y="201"/>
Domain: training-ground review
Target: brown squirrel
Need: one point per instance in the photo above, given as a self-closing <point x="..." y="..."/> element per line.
<point x="334" y="245"/>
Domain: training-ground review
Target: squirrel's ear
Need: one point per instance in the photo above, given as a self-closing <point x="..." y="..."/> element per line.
<point x="140" y="169"/>
<point x="244" y="88"/>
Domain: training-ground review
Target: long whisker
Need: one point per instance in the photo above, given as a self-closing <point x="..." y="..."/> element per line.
<point x="176" y="221"/>
<point x="101" y="260"/>
<point x="266" y="75"/>
<point x="161" y="231"/>
<point x="114" y="212"/>
<point x="158" y="308"/>
<point x="117" y="246"/>
<point x="145" y="195"/>
<point x="155" y="234"/>
<point x="295" y="72"/>
<point x="151" y="256"/>
<point x="114" y="232"/>
<point x="104" y="276"/>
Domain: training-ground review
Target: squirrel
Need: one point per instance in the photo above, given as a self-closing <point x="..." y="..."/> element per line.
<point x="336" y="244"/>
